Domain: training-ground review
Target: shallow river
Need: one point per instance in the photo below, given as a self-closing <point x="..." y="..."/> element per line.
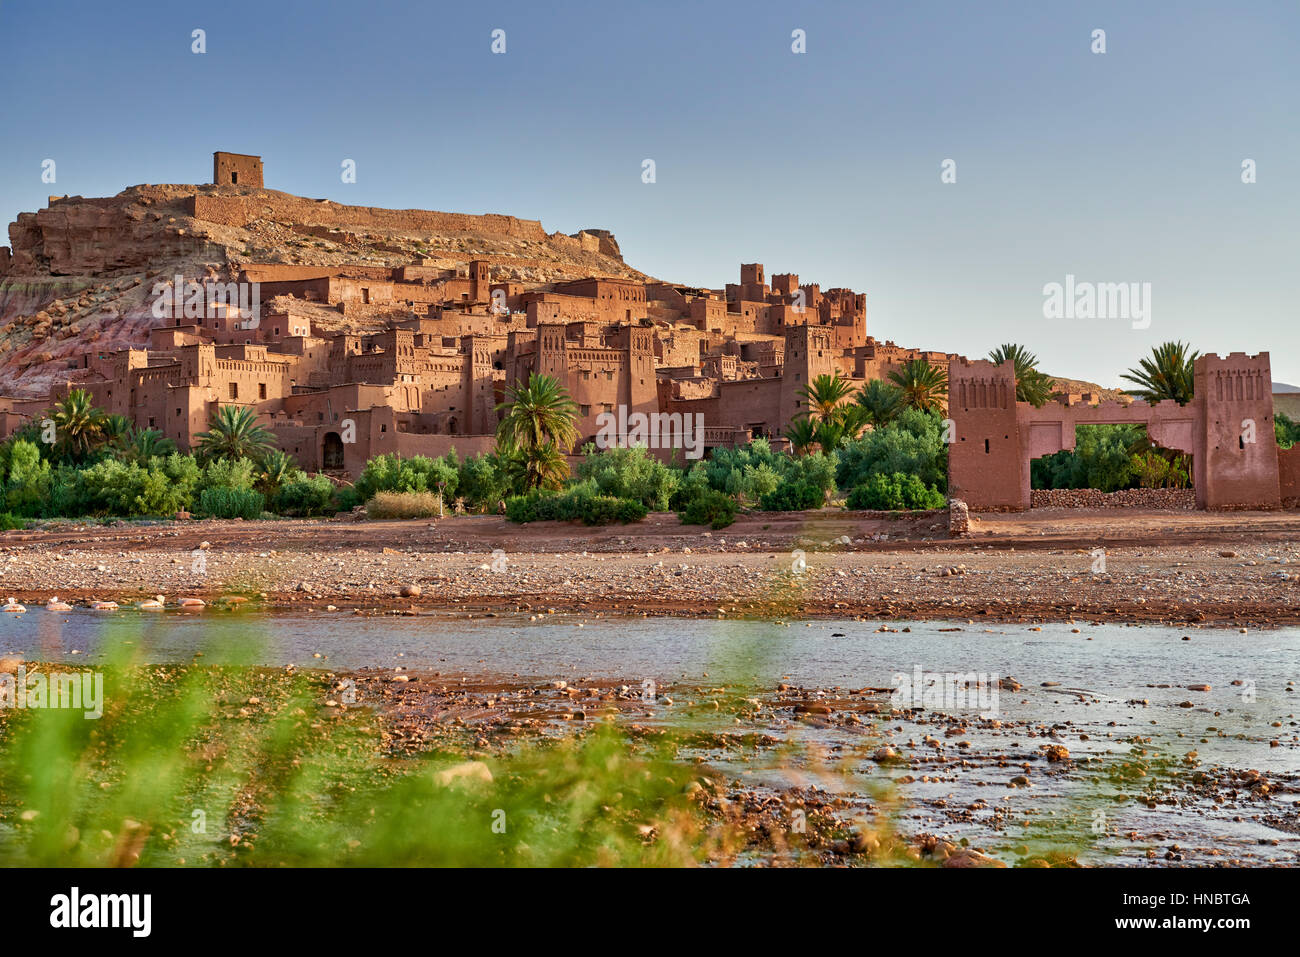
<point x="1088" y="691"/>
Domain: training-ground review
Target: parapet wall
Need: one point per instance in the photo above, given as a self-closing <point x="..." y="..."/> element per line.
<point x="242" y="210"/>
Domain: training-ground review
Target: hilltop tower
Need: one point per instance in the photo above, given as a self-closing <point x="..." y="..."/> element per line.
<point x="236" y="169"/>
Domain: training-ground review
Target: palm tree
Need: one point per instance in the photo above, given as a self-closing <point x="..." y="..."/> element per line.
<point x="831" y="434"/>
<point x="802" y="434"/>
<point x="116" y="430"/>
<point x="1032" y="386"/>
<point x="537" y="466"/>
<point x="537" y="414"/>
<point x="879" y="401"/>
<point x="276" y="469"/>
<point x="234" y="433"/>
<point x="923" y="386"/>
<point x="824" y="394"/>
<point x="854" y="418"/>
<point x="143" y="444"/>
<point x="78" y="425"/>
<point x="1168" y="374"/>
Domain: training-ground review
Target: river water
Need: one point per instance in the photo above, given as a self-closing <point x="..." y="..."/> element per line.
<point x="1091" y="691"/>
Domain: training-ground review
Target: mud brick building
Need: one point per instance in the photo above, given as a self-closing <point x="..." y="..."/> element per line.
<point x="393" y="341"/>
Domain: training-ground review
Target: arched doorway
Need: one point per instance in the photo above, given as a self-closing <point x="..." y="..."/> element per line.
<point x="332" y="451"/>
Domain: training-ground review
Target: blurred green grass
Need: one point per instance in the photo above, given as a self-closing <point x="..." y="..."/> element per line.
<point x="235" y="765"/>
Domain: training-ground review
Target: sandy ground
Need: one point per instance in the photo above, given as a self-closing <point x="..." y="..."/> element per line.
<point x="1234" y="567"/>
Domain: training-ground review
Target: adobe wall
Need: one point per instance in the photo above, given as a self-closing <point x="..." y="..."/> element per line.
<point x="242" y="210"/>
<point x="751" y="402"/>
<point x="286" y="272"/>
<point x="1288" y="480"/>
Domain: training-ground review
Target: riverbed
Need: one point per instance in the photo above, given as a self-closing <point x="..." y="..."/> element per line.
<point x="1196" y="710"/>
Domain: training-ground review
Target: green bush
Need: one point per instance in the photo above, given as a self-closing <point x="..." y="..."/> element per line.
<point x="630" y="474"/>
<point x="228" y="474"/>
<point x="578" y="503"/>
<point x="392" y="473"/>
<point x="67" y="494"/>
<point x="482" y="482"/>
<point x="231" y="503"/>
<point x="754" y="472"/>
<point x="1103" y="458"/>
<point x="796" y="496"/>
<point x="1285" y="430"/>
<point x="894" y="492"/>
<point x="113" y="487"/>
<point x="9" y="521"/>
<point x="711" y="507"/>
<point x="26" y="478"/>
<point x="912" y="444"/>
<point x="608" y="510"/>
<point x="304" y="496"/>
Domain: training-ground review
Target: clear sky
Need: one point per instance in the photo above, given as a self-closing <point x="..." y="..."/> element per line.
<point x="1117" y="167"/>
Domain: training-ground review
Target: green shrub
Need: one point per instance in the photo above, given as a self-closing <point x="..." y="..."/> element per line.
<point x="113" y="487"/>
<point x="578" y="503"/>
<point x="392" y="473"/>
<point x="630" y="474"/>
<point x="752" y="472"/>
<point x="228" y="474"/>
<point x="385" y="505"/>
<point x="482" y="482"/>
<point x="711" y="507"/>
<point x="9" y="522"/>
<point x="912" y="444"/>
<point x="1285" y="430"/>
<point x="304" y="496"/>
<point x="795" y="496"/>
<point x="67" y="493"/>
<point x="27" y="479"/>
<point x="1103" y="458"/>
<point x="231" y="503"/>
<point x="894" y="492"/>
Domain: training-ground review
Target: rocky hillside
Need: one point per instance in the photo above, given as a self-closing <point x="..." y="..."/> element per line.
<point x="82" y="270"/>
<point x="1080" y="387"/>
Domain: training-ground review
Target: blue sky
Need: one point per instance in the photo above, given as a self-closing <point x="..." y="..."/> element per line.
<point x="1115" y="167"/>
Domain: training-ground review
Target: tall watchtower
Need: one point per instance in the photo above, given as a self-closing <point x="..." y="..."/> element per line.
<point x="1237" y="466"/>
<point x="986" y="466"/>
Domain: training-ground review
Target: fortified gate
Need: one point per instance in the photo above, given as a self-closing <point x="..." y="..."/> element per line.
<point x="1227" y="428"/>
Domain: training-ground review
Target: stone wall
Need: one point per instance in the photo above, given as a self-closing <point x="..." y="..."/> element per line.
<point x="1165" y="498"/>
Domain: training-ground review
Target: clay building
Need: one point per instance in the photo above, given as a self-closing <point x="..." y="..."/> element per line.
<point x="236" y="169"/>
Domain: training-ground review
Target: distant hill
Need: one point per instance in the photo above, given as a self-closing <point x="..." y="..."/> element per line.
<point x="1284" y="387"/>
<point x="1080" y="386"/>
